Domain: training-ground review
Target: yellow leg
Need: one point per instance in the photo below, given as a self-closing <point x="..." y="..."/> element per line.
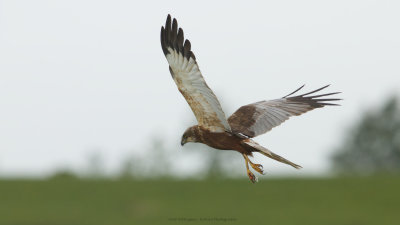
<point x="256" y="167"/>
<point x="249" y="173"/>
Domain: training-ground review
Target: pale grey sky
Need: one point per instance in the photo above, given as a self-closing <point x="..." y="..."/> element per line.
<point x="82" y="75"/>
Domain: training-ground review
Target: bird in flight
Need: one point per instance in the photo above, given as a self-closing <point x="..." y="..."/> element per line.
<point x="249" y="121"/>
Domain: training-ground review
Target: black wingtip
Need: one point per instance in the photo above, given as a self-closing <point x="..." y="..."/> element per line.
<point x="315" y="101"/>
<point x="319" y="89"/>
<point x="162" y="40"/>
<point x="330" y="104"/>
<point x="294" y="91"/>
<point x="172" y="37"/>
<point x="323" y="95"/>
<point x="168" y="19"/>
<point x="174" y="26"/>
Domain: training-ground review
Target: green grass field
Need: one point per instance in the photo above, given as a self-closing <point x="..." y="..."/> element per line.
<point x="347" y="201"/>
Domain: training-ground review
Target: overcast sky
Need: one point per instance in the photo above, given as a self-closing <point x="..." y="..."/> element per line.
<point x="82" y="75"/>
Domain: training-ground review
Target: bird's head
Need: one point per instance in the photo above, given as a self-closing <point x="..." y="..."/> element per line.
<point x="189" y="135"/>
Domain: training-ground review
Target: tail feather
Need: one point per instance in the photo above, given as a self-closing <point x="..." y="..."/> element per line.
<point x="258" y="148"/>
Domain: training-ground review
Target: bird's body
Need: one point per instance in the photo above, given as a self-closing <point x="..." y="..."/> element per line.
<point x="236" y="132"/>
<point x="219" y="140"/>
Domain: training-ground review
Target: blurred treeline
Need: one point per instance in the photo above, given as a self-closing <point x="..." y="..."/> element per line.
<point x="161" y="161"/>
<point x="371" y="145"/>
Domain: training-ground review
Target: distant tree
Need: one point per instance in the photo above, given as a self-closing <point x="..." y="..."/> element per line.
<point x="222" y="163"/>
<point x="95" y="165"/>
<point x="214" y="167"/>
<point x="373" y="144"/>
<point x="63" y="174"/>
<point x="160" y="164"/>
<point x="130" y="167"/>
<point x="155" y="163"/>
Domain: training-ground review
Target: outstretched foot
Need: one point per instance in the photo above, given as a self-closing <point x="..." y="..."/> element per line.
<point x="252" y="178"/>
<point x="257" y="167"/>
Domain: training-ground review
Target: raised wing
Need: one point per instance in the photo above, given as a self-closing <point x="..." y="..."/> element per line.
<point x="258" y="118"/>
<point x="188" y="78"/>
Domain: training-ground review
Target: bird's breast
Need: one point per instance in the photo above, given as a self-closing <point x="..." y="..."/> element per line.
<point x="220" y="140"/>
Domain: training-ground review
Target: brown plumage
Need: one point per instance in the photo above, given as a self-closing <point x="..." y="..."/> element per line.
<point x="248" y="121"/>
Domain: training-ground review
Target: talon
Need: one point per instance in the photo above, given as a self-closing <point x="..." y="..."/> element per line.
<point x="258" y="167"/>
<point x="252" y="178"/>
<point x="249" y="173"/>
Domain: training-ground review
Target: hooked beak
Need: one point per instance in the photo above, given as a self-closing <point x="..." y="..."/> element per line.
<point x="183" y="142"/>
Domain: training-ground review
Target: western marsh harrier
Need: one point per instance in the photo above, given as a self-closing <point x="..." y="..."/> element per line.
<point x="248" y="121"/>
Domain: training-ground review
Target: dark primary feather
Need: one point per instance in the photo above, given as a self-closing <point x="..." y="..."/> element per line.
<point x="315" y="101"/>
<point x="174" y="38"/>
<point x="258" y="118"/>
